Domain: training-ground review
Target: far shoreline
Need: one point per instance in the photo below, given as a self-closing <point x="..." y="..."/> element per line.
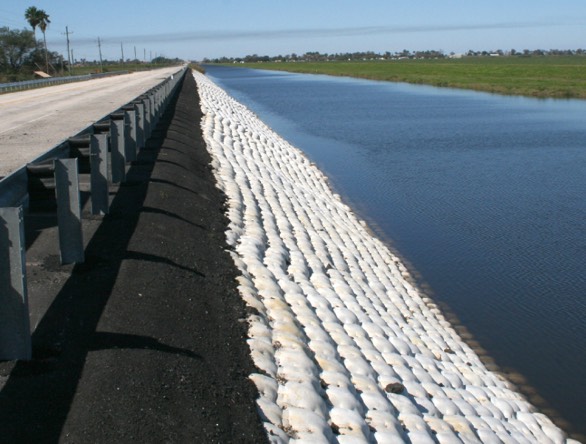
<point x="546" y="77"/>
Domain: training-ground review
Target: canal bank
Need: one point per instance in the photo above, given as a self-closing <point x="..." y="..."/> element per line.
<point x="347" y="349"/>
<point x="481" y="193"/>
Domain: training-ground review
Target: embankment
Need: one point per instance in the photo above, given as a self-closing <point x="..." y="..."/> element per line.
<point x="346" y="348"/>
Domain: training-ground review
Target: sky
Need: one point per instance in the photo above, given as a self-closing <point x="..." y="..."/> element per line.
<point x="196" y="29"/>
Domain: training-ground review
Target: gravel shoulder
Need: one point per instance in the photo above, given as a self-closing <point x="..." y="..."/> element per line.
<point x="146" y="341"/>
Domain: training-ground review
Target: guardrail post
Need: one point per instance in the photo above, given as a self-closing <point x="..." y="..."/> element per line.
<point x="69" y="211"/>
<point x="99" y="174"/>
<point x="117" y="149"/>
<point x="154" y="118"/>
<point x="130" y="135"/>
<point x="169" y="89"/>
<point x="158" y="104"/>
<point x="140" y="138"/>
<point x="15" y="336"/>
<point x="147" y="118"/>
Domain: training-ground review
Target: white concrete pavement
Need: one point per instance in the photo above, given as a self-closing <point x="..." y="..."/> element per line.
<point x="33" y="121"/>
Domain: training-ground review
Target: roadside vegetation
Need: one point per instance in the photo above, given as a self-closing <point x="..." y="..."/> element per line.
<point x="560" y="74"/>
<point x="21" y="54"/>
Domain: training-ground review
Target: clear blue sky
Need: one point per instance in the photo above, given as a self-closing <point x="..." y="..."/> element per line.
<point x="194" y="29"/>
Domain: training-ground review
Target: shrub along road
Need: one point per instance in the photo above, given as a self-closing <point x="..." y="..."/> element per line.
<point x="145" y="342"/>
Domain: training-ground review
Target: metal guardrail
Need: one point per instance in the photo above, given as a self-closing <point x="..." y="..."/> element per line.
<point x="30" y="84"/>
<point x="103" y="149"/>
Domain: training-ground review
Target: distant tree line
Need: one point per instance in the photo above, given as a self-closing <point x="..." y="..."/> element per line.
<point x="370" y="55"/>
<point x="119" y="64"/>
<point x="528" y="53"/>
<point x="21" y="54"/>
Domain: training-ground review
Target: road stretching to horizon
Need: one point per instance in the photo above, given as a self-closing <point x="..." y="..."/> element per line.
<point x="34" y="121"/>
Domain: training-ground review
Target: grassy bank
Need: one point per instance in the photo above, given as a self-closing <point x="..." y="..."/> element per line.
<point x="546" y="76"/>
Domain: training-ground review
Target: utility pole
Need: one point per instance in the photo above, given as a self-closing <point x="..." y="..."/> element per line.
<point x="135" y="53"/>
<point x="100" y="49"/>
<point x="69" y="51"/>
<point x="144" y="55"/>
<point x="122" y="51"/>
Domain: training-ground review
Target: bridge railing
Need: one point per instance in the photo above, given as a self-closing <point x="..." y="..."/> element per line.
<point x="30" y="84"/>
<point x="51" y="181"/>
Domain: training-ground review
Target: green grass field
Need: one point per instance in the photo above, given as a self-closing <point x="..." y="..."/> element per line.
<point x="545" y="76"/>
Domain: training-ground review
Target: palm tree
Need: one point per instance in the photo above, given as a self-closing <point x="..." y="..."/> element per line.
<point x="37" y="17"/>
<point x="32" y="17"/>
<point x="43" y="23"/>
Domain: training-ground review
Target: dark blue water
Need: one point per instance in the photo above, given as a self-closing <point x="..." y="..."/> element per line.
<point x="484" y="195"/>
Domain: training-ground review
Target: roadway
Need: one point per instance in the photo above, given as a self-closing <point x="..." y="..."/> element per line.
<point x="33" y="121"/>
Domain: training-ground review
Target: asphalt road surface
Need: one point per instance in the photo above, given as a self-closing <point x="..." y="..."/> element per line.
<point x="34" y="121"/>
